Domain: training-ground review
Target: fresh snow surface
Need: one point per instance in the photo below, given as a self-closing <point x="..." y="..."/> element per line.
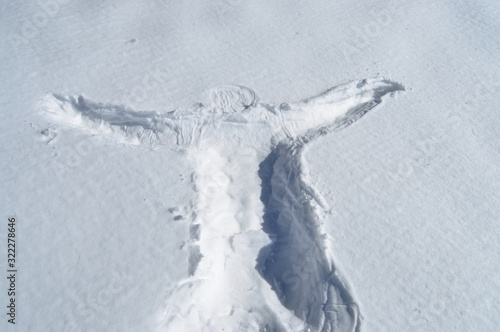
<point x="153" y="191"/>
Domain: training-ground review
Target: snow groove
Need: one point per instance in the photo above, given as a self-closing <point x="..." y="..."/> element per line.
<point x="295" y="264"/>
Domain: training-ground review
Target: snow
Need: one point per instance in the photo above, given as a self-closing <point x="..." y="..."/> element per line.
<point x="108" y="200"/>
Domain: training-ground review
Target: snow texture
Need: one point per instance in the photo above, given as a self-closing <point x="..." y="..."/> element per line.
<point x="403" y="207"/>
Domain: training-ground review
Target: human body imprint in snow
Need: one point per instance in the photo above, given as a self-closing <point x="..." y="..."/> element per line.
<point x="257" y="252"/>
